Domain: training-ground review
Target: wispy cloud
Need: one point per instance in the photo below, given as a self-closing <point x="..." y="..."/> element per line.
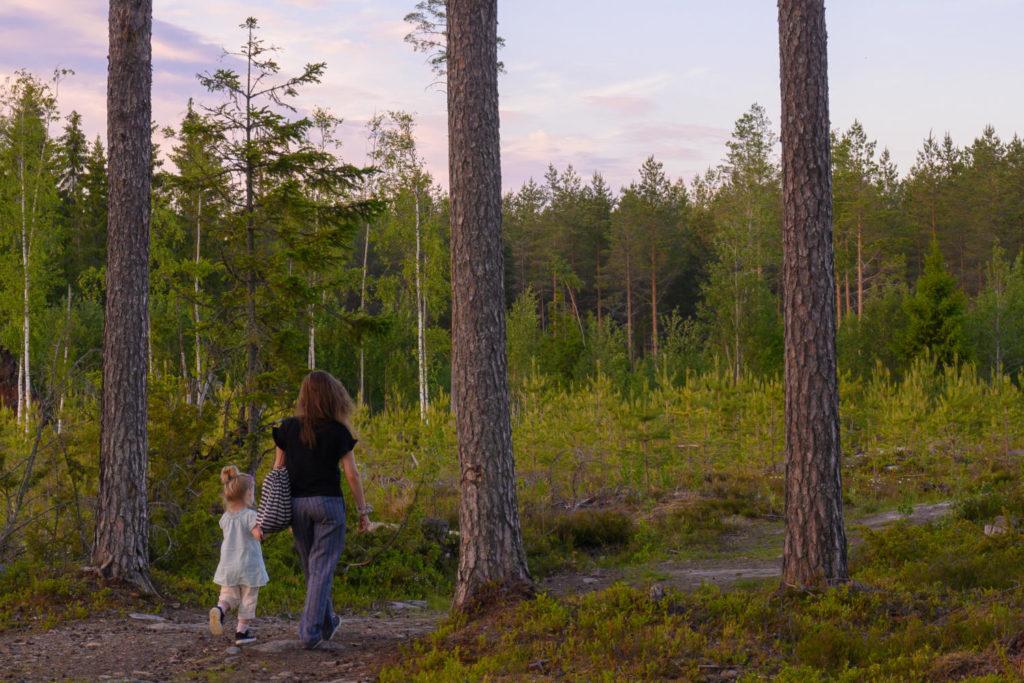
<point x="598" y="97"/>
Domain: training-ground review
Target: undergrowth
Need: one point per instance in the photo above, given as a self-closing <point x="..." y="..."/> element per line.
<point x="942" y="602"/>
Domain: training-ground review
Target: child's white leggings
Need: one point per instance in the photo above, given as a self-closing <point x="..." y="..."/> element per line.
<point x="242" y="597"/>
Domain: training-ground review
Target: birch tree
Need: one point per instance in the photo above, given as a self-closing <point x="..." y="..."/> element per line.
<point x="405" y="186"/>
<point x="31" y="199"/>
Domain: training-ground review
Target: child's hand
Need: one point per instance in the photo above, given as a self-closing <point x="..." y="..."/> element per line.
<point x="257" y="533"/>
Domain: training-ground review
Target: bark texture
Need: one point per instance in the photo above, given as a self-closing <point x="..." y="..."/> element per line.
<point x="492" y="561"/>
<point x="815" y="544"/>
<point x="122" y="531"/>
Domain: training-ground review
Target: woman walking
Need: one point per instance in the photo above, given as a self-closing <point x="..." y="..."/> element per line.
<point x="311" y="445"/>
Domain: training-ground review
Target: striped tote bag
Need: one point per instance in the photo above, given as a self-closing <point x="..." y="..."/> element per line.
<point x="275" y="510"/>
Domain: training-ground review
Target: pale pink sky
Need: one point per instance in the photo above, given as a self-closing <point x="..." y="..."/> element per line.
<point x="595" y="83"/>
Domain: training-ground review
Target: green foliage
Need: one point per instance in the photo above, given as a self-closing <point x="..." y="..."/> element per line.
<point x="33" y="596"/>
<point x="936" y="312"/>
<point x="877" y="336"/>
<point x="928" y="601"/>
<point x="995" y="323"/>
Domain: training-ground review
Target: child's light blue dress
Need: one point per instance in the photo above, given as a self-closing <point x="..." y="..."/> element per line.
<point x="241" y="558"/>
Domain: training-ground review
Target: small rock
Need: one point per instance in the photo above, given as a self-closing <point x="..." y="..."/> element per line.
<point x="234" y="650"/>
<point x="589" y="580"/>
<point x="92" y="644"/>
<point x="538" y="665"/>
<point x="172" y="626"/>
<point x="146" y="617"/>
<point x="275" y="646"/>
<point x="657" y="592"/>
<point x="998" y="527"/>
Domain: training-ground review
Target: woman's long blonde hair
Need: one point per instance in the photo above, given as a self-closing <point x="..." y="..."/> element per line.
<point x="322" y="399"/>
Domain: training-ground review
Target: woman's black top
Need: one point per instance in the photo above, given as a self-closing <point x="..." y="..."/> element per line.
<point x="314" y="471"/>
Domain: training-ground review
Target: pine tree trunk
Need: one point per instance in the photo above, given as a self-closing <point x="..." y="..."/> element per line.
<point x="492" y="561"/>
<point x="849" y="307"/>
<point x="122" y="528"/>
<point x="64" y="379"/>
<point x="654" y="305"/>
<point x="252" y="369"/>
<point x="860" y="268"/>
<point x="814" y="553"/>
<point x="629" y="305"/>
<point x="362" y="308"/>
<point x="737" y="319"/>
<point x="839" y="303"/>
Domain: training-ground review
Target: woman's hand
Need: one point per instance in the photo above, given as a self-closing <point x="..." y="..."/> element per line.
<point x="257" y="533"/>
<point x="348" y="463"/>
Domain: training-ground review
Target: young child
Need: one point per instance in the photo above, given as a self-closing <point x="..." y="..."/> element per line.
<point x="241" y="571"/>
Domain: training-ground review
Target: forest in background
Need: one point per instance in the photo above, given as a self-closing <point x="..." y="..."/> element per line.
<point x="267" y="263"/>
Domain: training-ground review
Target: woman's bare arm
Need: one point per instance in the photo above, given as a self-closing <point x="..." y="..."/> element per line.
<point x="348" y="463"/>
<point x="278" y="459"/>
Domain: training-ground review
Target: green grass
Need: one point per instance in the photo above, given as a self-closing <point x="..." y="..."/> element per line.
<point x="941" y="602"/>
<point x="33" y="597"/>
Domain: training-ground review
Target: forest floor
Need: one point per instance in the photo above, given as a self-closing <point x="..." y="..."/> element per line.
<point x="176" y="645"/>
<point x="751" y="553"/>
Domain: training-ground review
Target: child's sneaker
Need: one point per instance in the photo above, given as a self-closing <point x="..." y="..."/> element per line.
<point x="216" y="620"/>
<point x="244" y="637"/>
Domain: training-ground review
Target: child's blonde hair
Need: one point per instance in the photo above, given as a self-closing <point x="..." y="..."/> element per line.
<point x="237" y="486"/>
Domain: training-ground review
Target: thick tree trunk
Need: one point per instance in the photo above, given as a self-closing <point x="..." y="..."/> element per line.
<point x="814" y="554"/>
<point x="122" y="532"/>
<point x="492" y="561"/>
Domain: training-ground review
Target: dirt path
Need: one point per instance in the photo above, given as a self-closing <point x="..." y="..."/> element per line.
<point x="177" y="646"/>
<point x="746" y="559"/>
